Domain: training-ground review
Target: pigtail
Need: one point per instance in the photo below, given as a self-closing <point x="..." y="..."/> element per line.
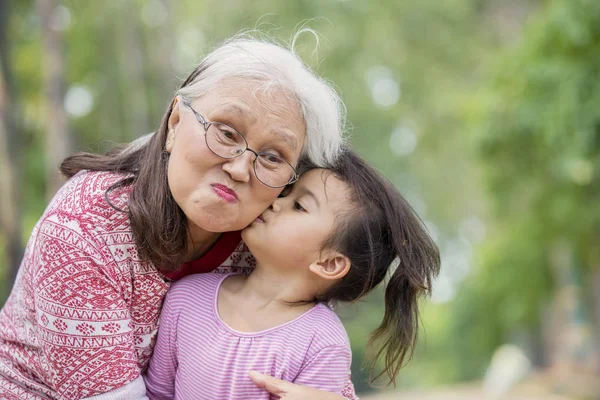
<point x="383" y="237"/>
<point x="394" y="340"/>
<point x="410" y="276"/>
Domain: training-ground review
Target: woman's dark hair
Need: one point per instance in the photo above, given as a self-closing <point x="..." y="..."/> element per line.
<point x="159" y="226"/>
<point x="383" y="236"/>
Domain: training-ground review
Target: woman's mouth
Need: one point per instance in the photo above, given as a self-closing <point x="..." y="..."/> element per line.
<point x="225" y="193"/>
<point x="260" y="219"/>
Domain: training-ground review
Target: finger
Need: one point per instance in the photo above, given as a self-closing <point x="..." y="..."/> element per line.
<point x="272" y="385"/>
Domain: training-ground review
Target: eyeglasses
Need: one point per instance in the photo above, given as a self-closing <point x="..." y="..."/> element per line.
<point x="226" y="142"/>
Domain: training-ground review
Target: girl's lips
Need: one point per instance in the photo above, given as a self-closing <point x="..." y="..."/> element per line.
<point x="260" y="218"/>
<point x="225" y="193"/>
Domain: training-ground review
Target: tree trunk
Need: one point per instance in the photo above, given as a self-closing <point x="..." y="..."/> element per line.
<point x="58" y="141"/>
<point x="574" y="346"/>
<point x="161" y="63"/>
<point x="10" y="211"/>
<point x="133" y="62"/>
<point x="596" y="310"/>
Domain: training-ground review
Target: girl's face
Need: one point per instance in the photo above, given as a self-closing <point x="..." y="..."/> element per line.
<point x="221" y="195"/>
<point x="290" y="233"/>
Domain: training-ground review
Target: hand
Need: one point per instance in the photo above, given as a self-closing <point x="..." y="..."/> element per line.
<point x="290" y="391"/>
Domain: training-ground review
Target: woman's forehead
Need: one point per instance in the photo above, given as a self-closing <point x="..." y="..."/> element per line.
<point x="248" y="98"/>
<point x="245" y="110"/>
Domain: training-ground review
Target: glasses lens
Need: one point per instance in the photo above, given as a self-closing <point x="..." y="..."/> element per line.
<point x="225" y="141"/>
<point x="273" y="170"/>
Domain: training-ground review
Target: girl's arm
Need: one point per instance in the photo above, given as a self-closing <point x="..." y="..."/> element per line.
<point x="292" y="391"/>
<point x="324" y="377"/>
<point x="327" y="369"/>
<point x="160" y="377"/>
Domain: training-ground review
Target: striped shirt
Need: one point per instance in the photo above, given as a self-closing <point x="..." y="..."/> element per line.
<point x="198" y="356"/>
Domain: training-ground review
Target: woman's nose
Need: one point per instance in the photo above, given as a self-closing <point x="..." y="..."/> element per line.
<point x="239" y="168"/>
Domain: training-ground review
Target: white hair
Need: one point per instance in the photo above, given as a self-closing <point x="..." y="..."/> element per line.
<point x="246" y="57"/>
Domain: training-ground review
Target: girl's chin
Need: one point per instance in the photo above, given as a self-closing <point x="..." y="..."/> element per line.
<point x="252" y="237"/>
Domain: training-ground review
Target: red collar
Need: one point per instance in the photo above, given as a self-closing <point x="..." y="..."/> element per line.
<point x="213" y="258"/>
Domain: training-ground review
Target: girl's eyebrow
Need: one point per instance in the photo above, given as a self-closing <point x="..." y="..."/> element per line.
<point x="305" y="190"/>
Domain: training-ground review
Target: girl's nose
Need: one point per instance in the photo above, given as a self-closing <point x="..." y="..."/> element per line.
<point x="276" y="205"/>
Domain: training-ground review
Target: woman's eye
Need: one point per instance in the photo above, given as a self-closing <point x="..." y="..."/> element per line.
<point x="271" y="158"/>
<point x="298" y="206"/>
<point x="227" y="134"/>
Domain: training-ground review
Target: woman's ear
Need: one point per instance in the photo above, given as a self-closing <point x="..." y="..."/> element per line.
<point x="172" y="124"/>
<point x="332" y="266"/>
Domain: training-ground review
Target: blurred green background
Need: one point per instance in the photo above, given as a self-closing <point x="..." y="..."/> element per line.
<point x="484" y="113"/>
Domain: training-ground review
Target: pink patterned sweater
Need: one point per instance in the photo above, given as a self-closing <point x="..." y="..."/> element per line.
<point x="83" y="314"/>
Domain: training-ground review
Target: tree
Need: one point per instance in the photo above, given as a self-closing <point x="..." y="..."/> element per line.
<point x="58" y="140"/>
<point x="537" y="132"/>
<point x="10" y="194"/>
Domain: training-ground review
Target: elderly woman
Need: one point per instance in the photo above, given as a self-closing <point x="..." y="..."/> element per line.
<point x="82" y="317"/>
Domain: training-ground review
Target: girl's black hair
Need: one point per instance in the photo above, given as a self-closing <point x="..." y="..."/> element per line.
<point x="383" y="236"/>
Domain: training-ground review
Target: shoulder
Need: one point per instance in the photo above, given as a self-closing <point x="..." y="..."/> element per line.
<point x="194" y="286"/>
<point x="81" y="215"/>
<point x="84" y="198"/>
<point x="80" y="205"/>
<point x="323" y="328"/>
<point x="327" y="351"/>
<point x="192" y="298"/>
<point x="331" y="331"/>
<point x="195" y="281"/>
<point x="87" y="187"/>
<point x="91" y="189"/>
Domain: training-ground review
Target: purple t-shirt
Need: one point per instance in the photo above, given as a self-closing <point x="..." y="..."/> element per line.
<point x="198" y="356"/>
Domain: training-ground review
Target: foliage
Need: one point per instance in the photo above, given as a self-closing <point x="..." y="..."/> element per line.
<point x="536" y="132"/>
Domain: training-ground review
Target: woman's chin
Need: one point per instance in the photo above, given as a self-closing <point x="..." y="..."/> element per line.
<point x="212" y="224"/>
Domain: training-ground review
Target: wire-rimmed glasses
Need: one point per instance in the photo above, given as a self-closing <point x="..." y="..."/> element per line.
<point x="226" y="142"/>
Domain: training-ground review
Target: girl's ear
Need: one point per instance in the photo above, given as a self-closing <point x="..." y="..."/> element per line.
<point x="332" y="266"/>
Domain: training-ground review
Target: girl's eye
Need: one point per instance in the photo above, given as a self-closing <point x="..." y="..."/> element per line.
<point x="298" y="206"/>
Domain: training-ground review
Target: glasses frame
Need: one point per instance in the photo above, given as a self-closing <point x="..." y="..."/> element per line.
<point x="206" y="124"/>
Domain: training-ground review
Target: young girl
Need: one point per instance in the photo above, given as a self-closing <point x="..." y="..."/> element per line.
<point x="334" y="237"/>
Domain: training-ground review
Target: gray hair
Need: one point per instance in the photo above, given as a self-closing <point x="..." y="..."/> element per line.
<point x="246" y="57"/>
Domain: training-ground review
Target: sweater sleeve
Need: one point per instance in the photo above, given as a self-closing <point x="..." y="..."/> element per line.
<point x="160" y="377"/>
<point x="132" y="391"/>
<point x="82" y="317"/>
